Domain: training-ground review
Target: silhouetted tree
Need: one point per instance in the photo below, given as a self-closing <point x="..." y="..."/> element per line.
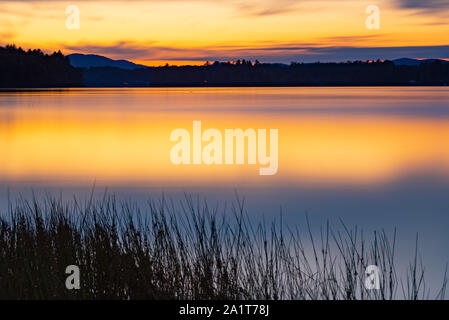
<point x="33" y="68"/>
<point x="245" y="73"/>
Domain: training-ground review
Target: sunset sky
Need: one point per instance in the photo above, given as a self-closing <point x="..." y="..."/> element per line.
<point x="153" y="32"/>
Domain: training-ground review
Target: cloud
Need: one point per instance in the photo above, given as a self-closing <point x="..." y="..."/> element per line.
<point x="122" y="48"/>
<point x="353" y="39"/>
<point x="266" y="7"/>
<point x="6" y="38"/>
<point x="255" y="8"/>
<point x="6" y="35"/>
<point x="367" y="53"/>
<point x="285" y="53"/>
<point x="275" y="7"/>
<point x="424" y="5"/>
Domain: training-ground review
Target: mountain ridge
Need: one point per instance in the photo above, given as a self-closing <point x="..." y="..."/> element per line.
<point x="415" y="62"/>
<point x="80" y="60"/>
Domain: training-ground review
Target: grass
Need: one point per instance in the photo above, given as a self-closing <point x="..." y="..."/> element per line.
<point x="193" y="252"/>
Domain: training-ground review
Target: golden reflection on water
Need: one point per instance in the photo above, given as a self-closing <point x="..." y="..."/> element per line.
<point x="122" y="137"/>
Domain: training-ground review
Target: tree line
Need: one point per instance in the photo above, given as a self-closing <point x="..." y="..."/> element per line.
<point x="33" y="68"/>
<point x="247" y="73"/>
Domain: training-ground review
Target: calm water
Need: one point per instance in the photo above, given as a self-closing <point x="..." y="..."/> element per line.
<point x="375" y="157"/>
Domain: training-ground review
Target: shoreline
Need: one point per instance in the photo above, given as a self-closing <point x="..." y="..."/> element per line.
<point x="224" y="85"/>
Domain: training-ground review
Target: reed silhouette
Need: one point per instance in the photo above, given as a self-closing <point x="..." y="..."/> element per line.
<point x="196" y="252"/>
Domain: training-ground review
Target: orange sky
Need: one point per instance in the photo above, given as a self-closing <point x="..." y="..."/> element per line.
<point x="185" y="31"/>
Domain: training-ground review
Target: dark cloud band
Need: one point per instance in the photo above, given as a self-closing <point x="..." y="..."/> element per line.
<point x="271" y="53"/>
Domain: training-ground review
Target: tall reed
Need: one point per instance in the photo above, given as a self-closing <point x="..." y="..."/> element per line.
<point x="191" y="251"/>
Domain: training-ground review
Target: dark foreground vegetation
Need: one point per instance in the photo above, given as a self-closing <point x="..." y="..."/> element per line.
<point x="247" y="73"/>
<point x="194" y="253"/>
<point x="33" y="68"/>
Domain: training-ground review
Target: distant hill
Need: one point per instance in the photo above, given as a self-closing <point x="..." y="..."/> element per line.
<point x="92" y="60"/>
<point x="415" y="62"/>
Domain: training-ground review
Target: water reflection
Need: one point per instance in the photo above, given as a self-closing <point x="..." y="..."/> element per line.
<point x="376" y="157"/>
<point x="121" y="136"/>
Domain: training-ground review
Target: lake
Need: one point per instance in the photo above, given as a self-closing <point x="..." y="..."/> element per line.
<point x="375" y="157"/>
